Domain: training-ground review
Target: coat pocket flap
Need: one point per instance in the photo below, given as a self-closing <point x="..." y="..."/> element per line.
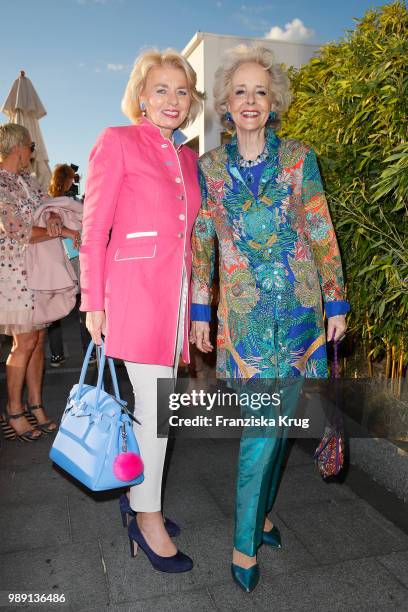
<point x="141" y="234"/>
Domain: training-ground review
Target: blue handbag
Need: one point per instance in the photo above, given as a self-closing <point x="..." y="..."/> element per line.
<point x="95" y="442"/>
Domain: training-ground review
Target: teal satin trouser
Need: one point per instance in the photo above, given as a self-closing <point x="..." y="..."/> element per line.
<point x="259" y="469"/>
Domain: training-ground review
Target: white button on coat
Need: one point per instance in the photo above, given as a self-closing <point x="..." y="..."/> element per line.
<point x="182" y="217"/>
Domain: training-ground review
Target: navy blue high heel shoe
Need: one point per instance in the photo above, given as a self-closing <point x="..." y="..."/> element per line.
<point x="175" y="564"/>
<point x="247" y="579"/>
<point x="272" y="537"/>
<point x="126" y="511"/>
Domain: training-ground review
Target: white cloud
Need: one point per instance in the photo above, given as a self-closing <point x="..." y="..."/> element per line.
<point x="116" y="67"/>
<point x="294" y="31"/>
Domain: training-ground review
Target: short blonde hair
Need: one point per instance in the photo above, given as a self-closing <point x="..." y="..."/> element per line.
<point x="137" y="81"/>
<point x="12" y="134"/>
<point x="59" y="179"/>
<point x="242" y="54"/>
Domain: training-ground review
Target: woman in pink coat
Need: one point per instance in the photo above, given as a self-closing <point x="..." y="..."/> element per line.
<point x="142" y="198"/>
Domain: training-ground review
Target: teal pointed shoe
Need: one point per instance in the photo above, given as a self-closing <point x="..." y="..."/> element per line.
<point x="272" y="537"/>
<point x="247" y="579"/>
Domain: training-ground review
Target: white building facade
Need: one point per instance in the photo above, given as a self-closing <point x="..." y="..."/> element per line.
<point x="204" y="52"/>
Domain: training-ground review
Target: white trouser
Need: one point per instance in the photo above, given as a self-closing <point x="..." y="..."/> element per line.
<point x="146" y="497"/>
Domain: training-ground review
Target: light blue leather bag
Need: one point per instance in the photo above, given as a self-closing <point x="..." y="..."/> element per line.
<point x="95" y="442"/>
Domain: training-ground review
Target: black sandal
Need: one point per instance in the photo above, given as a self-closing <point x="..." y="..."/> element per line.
<point x="44" y="427"/>
<point x="11" y="434"/>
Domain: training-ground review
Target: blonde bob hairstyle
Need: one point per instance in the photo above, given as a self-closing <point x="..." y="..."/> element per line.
<point x="279" y="81"/>
<point x="137" y="81"/>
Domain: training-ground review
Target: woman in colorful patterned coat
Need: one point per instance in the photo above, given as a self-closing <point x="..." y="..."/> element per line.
<point x="262" y="197"/>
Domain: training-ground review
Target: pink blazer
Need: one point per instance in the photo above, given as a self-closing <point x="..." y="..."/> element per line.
<point x="141" y="200"/>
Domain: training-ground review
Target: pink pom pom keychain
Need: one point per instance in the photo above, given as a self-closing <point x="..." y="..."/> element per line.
<point x="127" y="465"/>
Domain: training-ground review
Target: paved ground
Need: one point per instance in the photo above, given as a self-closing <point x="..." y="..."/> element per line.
<point x="340" y="550"/>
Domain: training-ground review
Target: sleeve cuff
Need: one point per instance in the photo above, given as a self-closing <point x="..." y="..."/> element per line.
<point x="200" y="312"/>
<point x="336" y="308"/>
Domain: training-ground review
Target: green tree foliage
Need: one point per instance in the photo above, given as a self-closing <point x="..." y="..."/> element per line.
<point x="350" y="103"/>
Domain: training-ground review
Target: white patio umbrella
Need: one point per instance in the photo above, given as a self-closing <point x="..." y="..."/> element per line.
<point x="23" y="106"/>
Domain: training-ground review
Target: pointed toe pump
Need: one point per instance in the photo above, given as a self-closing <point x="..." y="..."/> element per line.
<point x="272" y="537"/>
<point x="175" y="564"/>
<point x="126" y="512"/>
<point x="246" y="579"/>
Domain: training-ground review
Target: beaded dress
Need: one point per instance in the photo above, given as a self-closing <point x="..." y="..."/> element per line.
<point x="20" y="195"/>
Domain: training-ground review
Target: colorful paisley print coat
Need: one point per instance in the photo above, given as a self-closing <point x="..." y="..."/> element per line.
<point x="278" y="257"/>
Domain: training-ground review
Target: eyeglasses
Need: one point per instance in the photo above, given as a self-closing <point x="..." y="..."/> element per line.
<point x="32" y="147"/>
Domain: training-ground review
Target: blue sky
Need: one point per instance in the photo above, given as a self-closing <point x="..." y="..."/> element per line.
<point x="78" y="53"/>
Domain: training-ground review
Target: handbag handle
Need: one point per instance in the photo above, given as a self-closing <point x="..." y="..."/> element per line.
<point x="101" y="369"/>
